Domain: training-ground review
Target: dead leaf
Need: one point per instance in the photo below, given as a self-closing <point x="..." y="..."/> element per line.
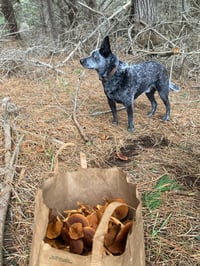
<point x="104" y="137"/>
<point x="176" y="50"/>
<point x="121" y="156"/>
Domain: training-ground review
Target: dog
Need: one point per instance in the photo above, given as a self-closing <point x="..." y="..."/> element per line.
<point x="123" y="82"/>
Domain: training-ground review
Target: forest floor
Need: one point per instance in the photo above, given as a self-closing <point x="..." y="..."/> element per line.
<point x="155" y="149"/>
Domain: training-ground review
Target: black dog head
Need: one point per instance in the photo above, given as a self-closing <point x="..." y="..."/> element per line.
<point x="102" y="59"/>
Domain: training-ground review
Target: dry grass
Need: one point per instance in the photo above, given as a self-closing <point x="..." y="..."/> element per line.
<point x="155" y="149"/>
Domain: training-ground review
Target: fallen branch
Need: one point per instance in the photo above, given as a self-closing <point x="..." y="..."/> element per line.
<point x="54" y="68"/>
<point x="85" y="138"/>
<point x="106" y="112"/>
<point x="5" y="187"/>
<point x="41" y="137"/>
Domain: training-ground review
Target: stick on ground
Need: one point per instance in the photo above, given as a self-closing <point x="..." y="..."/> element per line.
<point x="85" y="138"/>
<point x="5" y="188"/>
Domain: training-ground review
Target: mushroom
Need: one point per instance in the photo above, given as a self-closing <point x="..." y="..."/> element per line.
<point x="117" y="247"/>
<point x="84" y="208"/>
<point x="65" y="234"/>
<point x="93" y="220"/>
<point x="76" y="231"/>
<point x="113" y="230"/>
<point x="100" y="209"/>
<point x="88" y="236"/>
<point x="76" y="246"/>
<point x="76" y="218"/>
<point x="120" y="212"/>
<point x="54" y="229"/>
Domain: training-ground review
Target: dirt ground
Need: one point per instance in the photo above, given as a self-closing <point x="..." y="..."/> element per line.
<point x="156" y="148"/>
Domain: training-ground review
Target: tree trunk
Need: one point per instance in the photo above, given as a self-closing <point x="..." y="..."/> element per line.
<point x="9" y="14"/>
<point x="143" y="12"/>
<point x="47" y="16"/>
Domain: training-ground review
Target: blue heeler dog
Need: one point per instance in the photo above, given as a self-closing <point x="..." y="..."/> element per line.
<point x="123" y="82"/>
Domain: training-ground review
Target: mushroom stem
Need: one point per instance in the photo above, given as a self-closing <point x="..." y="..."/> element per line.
<point x="116" y="221"/>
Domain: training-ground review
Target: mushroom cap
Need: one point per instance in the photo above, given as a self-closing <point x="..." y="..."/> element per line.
<point x="93" y="220"/>
<point x="120" y="212"/>
<point x="76" y="218"/>
<point x="76" y="231"/>
<point x="54" y="229"/>
<point x="88" y="236"/>
<point x="65" y="235"/>
<point x="76" y="246"/>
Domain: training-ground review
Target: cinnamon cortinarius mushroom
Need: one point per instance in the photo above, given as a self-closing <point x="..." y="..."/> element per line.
<point x="118" y="245"/>
<point x="76" y="218"/>
<point x="76" y="231"/>
<point x="54" y="229"/>
<point x="120" y="212"/>
<point x="88" y="236"/>
<point x="76" y="246"/>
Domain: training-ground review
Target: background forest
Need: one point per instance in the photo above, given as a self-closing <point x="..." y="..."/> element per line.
<point x="147" y="28"/>
<point x="48" y="99"/>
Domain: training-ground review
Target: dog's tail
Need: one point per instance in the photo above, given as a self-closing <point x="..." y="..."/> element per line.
<point x="174" y="87"/>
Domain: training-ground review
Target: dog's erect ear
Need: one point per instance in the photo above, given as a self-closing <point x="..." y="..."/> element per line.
<point x="105" y="47"/>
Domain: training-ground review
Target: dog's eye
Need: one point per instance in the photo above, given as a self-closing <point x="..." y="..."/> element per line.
<point x="96" y="58"/>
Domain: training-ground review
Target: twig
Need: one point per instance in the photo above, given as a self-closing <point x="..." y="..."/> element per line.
<point x="148" y="28"/>
<point x="164" y="53"/>
<point x="42" y="137"/>
<point x="85" y="138"/>
<point x="106" y="112"/>
<point x="5" y="188"/>
<point x="96" y="29"/>
<point x="91" y="9"/>
<point x="70" y="55"/>
<point x="55" y="68"/>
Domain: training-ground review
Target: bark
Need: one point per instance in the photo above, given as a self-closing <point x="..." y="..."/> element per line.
<point x="143" y="12"/>
<point x="48" y="21"/>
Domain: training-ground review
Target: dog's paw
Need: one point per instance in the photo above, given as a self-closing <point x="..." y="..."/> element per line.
<point x="166" y="118"/>
<point x="115" y="123"/>
<point x="131" y="129"/>
<point x="150" y="114"/>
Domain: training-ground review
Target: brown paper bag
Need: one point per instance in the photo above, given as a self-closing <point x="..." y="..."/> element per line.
<point x="89" y="186"/>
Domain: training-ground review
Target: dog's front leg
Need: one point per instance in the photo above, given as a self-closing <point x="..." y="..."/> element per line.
<point x="129" y="110"/>
<point x="113" y="108"/>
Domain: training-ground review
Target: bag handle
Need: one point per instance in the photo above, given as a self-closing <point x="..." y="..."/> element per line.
<point x="98" y="240"/>
<point x="83" y="160"/>
<point x="58" y="153"/>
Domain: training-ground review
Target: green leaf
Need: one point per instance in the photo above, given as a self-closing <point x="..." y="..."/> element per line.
<point x="152" y="199"/>
<point x="165" y="183"/>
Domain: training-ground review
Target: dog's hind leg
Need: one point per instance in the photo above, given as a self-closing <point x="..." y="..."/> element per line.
<point x="113" y="108"/>
<point x="164" y="96"/>
<point x="129" y="110"/>
<point x="150" y="96"/>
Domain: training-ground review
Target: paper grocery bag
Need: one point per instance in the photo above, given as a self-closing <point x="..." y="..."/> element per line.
<point x="89" y="186"/>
